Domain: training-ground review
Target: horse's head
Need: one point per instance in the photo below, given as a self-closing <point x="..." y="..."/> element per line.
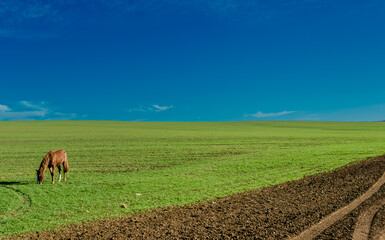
<point x="39" y="177"/>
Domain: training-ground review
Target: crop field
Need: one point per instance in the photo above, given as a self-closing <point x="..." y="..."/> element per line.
<point x="153" y="165"/>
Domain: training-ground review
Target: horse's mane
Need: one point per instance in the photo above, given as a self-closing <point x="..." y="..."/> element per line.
<point x="45" y="161"/>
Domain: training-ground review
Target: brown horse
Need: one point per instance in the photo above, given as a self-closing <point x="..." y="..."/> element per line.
<point x="51" y="160"/>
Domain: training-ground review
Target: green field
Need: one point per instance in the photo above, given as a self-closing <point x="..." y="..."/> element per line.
<point x="149" y="165"/>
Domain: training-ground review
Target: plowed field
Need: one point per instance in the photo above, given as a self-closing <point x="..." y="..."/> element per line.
<point x="283" y="211"/>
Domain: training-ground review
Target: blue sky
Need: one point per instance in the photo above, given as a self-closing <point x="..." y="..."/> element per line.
<point x="179" y="60"/>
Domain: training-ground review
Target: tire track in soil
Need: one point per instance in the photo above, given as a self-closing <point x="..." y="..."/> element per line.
<point x="25" y="204"/>
<point x="380" y="236"/>
<point x="364" y="222"/>
<point x="331" y="219"/>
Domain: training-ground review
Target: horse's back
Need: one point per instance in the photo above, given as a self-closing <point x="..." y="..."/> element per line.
<point x="59" y="156"/>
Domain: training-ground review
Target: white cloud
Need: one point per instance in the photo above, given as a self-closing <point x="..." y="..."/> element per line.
<point x="26" y="115"/>
<point x="32" y="111"/>
<point x="31" y="105"/>
<point x="140" y="109"/>
<point x="4" y="108"/>
<point x="139" y="120"/>
<point x="162" y="108"/>
<point x="64" y="116"/>
<point x="152" y="108"/>
<point x="263" y="115"/>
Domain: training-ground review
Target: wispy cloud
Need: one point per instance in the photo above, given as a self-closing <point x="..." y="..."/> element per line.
<point x="34" y="106"/>
<point x="139" y="120"/>
<point x="264" y="115"/>
<point x="33" y="111"/>
<point x="4" y="108"/>
<point x="162" y="108"/>
<point x="152" y="108"/>
<point x="6" y="112"/>
<point x="140" y="109"/>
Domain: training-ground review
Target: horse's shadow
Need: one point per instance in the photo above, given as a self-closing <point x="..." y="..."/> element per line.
<point x="12" y="183"/>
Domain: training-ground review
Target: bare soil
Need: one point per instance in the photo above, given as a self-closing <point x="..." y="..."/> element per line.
<point x="277" y="212"/>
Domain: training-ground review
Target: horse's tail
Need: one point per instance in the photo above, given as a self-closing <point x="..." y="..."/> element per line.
<point x="65" y="165"/>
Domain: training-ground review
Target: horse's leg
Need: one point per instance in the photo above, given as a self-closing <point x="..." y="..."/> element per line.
<point x="65" y="171"/>
<point x="52" y="170"/>
<point x="59" y="172"/>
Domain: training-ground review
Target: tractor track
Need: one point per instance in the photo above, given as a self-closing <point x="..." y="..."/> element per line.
<point x="364" y="221"/>
<point x="24" y="205"/>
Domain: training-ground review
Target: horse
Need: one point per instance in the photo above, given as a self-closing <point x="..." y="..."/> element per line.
<point x="51" y="160"/>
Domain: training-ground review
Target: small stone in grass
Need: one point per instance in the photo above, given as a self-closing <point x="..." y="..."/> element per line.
<point x="138" y="194"/>
<point x="123" y="206"/>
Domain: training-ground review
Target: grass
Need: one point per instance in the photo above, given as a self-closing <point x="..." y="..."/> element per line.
<point x="149" y="165"/>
